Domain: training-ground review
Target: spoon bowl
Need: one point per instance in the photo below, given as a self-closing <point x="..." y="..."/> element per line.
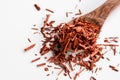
<point x="99" y="15"/>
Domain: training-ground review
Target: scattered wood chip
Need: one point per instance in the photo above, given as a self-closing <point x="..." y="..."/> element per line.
<point x="113" y="68"/>
<point x="34" y="28"/>
<point x="29" y="40"/>
<point x="92" y="78"/>
<point x="37" y="7"/>
<point x="35" y="60"/>
<point x="108" y="59"/>
<point x="49" y="10"/>
<point x="29" y="47"/>
<point x="46" y="69"/>
<point x="48" y="75"/>
<point x="67" y="13"/>
<point x="40" y="65"/>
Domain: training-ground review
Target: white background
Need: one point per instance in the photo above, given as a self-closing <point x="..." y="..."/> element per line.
<point x="17" y="19"/>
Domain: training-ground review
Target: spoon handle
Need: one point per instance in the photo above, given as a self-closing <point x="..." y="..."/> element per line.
<point x="100" y="14"/>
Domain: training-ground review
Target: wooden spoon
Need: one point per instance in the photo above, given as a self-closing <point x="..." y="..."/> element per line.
<point x="99" y="15"/>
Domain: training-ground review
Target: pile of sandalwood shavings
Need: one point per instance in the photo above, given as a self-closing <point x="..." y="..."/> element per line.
<point x="71" y="43"/>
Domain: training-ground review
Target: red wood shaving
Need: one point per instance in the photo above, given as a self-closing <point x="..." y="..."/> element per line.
<point x="112" y="46"/>
<point x="44" y="50"/>
<point x="48" y="75"/>
<point x="49" y="10"/>
<point x="114" y="49"/>
<point x="34" y="28"/>
<point x="70" y="64"/>
<point x="46" y="69"/>
<point x="46" y="20"/>
<point x="60" y="72"/>
<point x="100" y="68"/>
<point x="74" y="65"/>
<point x="67" y="13"/>
<point x="111" y="39"/>
<point x="113" y="68"/>
<point x="107" y="44"/>
<point x="65" y="68"/>
<point x="45" y="57"/>
<point x="69" y="76"/>
<point x="106" y="40"/>
<point x="49" y="66"/>
<point x="29" y="47"/>
<point x="43" y="29"/>
<point x="96" y="70"/>
<point x="35" y="32"/>
<point x="77" y="74"/>
<point x="65" y="74"/>
<point x="35" y="54"/>
<point x="57" y="68"/>
<point x="35" y="60"/>
<point x="79" y="13"/>
<point x="37" y="7"/>
<point x="73" y="37"/>
<point x="108" y="59"/>
<point x="51" y="23"/>
<point x="42" y="64"/>
<point x="92" y="78"/>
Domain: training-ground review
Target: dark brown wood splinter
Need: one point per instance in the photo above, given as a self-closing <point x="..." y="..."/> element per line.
<point x="113" y="68"/>
<point x="92" y="78"/>
<point x="49" y="10"/>
<point x="37" y="7"/>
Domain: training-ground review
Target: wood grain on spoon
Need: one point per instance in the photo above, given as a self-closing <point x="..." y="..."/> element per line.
<point x="99" y="15"/>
